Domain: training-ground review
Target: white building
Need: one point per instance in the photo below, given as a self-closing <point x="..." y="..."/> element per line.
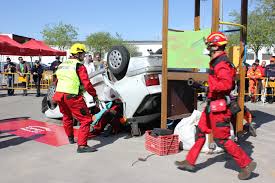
<point x="143" y="47"/>
<point x="263" y="55"/>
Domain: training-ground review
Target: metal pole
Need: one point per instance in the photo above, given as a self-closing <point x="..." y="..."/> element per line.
<point x="215" y="15"/>
<point x="164" y="64"/>
<point x="197" y="15"/>
<point x="243" y="39"/>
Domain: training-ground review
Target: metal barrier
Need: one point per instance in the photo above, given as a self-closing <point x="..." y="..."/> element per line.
<point x="266" y="83"/>
<point x="14" y="81"/>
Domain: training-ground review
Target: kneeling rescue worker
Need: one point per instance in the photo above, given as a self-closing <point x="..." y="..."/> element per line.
<point x="72" y="79"/>
<point x="217" y="115"/>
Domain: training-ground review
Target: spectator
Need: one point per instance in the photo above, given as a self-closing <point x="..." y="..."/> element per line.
<point x="55" y="64"/>
<point x="270" y="74"/>
<point x="260" y="80"/>
<point x="23" y="70"/>
<point x="262" y="68"/>
<point x="37" y="71"/>
<point x="246" y="67"/>
<point x="98" y="62"/>
<point x="10" y="68"/>
<point x="88" y="63"/>
<point x="257" y="62"/>
<point x="253" y="74"/>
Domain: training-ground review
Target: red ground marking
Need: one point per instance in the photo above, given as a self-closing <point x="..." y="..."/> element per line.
<point x="46" y="133"/>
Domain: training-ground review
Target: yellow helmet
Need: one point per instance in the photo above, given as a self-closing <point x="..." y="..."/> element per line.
<point x="78" y="48"/>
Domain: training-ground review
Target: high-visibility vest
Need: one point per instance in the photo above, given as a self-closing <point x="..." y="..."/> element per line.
<point x="68" y="80"/>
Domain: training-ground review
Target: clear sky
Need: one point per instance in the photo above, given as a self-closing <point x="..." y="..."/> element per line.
<point x="133" y="19"/>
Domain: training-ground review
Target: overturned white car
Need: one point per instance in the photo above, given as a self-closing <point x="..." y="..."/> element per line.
<point x="135" y="81"/>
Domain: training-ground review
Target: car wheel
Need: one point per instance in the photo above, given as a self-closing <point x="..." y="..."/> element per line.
<point x="51" y="91"/>
<point x="118" y="60"/>
<point x="45" y="106"/>
<point x="135" y="130"/>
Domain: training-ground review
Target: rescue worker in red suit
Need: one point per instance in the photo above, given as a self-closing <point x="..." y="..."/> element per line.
<point x="72" y="79"/>
<point x="111" y="118"/>
<point x="216" y="117"/>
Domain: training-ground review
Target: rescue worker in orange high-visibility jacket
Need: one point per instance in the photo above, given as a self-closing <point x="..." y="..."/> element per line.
<point x="72" y="79"/>
<point x="253" y="74"/>
<point x="216" y="116"/>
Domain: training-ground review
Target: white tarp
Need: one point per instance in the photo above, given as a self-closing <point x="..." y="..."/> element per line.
<point x="186" y="130"/>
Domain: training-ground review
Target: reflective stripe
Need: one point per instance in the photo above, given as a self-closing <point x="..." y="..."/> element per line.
<point x="221" y="142"/>
<point x="66" y="67"/>
<point x="223" y="124"/>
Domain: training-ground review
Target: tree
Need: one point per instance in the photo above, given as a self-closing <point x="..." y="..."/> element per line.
<point x="133" y="50"/>
<point x="267" y="8"/>
<point x="258" y="31"/>
<point x="61" y="35"/>
<point x="101" y="42"/>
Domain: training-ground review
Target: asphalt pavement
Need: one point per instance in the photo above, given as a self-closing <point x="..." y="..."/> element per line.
<point x="26" y="161"/>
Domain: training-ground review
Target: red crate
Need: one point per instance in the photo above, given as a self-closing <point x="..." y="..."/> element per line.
<point x="162" y="145"/>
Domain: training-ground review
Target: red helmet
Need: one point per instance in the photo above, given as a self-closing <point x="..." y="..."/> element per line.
<point x="216" y="39"/>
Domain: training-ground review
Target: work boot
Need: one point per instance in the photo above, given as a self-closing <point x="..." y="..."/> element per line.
<point x="185" y="165"/>
<point x="85" y="149"/>
<point x="245" y="173"/>
<point x="71" y="140"/>
<point x="107" y="130"/>
<point x="252" y="129"/>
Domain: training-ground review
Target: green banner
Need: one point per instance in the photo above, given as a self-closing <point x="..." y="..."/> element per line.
<point x="185" y="49"/>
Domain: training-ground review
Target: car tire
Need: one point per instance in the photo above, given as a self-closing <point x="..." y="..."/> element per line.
<point x="51" y="91"/>
<point x="118" y="60"/>
<point x="45" y="106"/>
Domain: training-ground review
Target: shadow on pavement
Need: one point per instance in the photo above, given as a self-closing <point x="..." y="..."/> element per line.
<point x="3" y="95"/>
<point x="18" y="141"/>
<point x="6" y="131"/>
<point x="20" y="94"/>
<point x="107" y="140"/>
<point x="5" y="136"/>
<point x="13" y="119"/>
<point x="229" y="161"/>
<point x="262" y="117"/>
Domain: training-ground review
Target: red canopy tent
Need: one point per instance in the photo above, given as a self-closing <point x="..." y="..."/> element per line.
<point x="58" y="52"/>
<point x="10" y="47"/>
<point x="44" y="50"/>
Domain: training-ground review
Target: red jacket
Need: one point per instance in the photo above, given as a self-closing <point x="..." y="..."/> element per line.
<point x="221" y="77"/>
<point x="262" y="69"/>
<point x="254" y="74"/>
<point x="84" y="80"/>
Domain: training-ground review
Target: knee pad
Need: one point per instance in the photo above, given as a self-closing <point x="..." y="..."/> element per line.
<point x="220" y="142"/>
<point x="199" y="133"/>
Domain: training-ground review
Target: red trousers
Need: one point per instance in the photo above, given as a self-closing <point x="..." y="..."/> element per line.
<point x="110" y="117"/>
<point x="75" y="107"/>
<point x="219" y="123"/>
<point x="252" y="86"/>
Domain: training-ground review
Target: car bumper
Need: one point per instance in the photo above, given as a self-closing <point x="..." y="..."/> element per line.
<point x="144" y="119"/>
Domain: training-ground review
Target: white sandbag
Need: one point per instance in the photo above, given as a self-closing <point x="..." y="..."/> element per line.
<point x="186" y="130"/>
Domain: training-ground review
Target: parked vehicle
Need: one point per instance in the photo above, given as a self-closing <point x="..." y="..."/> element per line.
<point x="135" y="81"/>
